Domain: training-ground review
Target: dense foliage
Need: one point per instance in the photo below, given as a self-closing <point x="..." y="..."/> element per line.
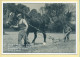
<point x="54" y="15"/>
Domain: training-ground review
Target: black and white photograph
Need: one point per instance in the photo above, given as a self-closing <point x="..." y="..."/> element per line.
<point x="39" y="28"/>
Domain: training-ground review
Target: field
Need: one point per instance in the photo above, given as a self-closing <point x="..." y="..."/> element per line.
<point x="10" y="40"/>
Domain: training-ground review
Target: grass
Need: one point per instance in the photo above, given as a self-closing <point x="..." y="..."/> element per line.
<point x="57" y="45"/>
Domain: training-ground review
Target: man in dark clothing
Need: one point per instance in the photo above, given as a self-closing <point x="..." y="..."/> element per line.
<point x="67" y="30"/>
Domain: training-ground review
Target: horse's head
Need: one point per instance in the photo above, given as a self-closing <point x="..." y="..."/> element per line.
<point x="9" y="22"/>
<point x="10" y="19"/>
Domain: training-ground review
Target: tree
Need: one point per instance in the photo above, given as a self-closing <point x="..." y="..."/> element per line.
<point x="16" y="9"/>
<point x="59" y="14"/>
<point x="42" y="10"/>
<point x="24" y="10"/>
<point x="35" y="17"/>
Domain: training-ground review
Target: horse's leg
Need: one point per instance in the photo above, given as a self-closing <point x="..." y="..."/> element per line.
<point x="44" y="35"/>
<point x="35" y="36"/>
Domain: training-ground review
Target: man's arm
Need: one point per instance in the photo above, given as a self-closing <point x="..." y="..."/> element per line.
<point x="13" y="26"/>
<point x="70" y="29"/>
<point x="24" y="21"/>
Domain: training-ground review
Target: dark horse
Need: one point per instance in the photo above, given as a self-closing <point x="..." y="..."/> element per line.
<point x="34" y="26"/>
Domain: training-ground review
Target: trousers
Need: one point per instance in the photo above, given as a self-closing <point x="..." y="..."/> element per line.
<point x="22" y="34"/>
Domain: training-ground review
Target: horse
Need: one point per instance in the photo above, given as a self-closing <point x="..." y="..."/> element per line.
<point x="33" y="26"/>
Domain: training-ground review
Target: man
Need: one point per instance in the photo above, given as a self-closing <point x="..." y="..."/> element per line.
<point x="23" y="26"/>
<point x="67" y="30"/>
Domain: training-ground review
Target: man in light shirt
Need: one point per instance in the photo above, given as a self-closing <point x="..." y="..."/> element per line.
<point x="23" y="26"/>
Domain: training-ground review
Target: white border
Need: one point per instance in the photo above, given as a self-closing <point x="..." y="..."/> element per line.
<point x="40" y="53"/>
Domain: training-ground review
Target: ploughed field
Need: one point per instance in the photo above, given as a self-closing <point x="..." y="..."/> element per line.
<point x="55" y="43"/>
